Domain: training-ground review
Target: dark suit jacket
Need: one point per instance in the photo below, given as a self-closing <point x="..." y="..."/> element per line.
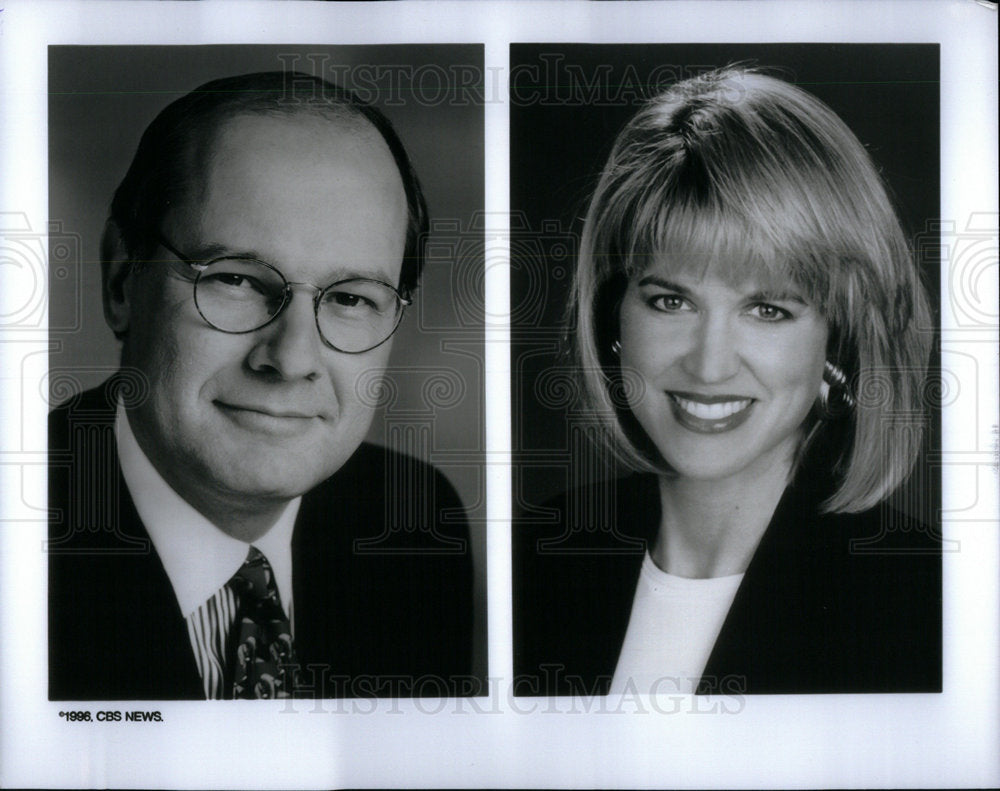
<point x="381" y="567"/>
<point x="829" y="603"/>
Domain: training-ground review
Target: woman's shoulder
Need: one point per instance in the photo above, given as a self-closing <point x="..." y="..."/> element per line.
<point x="883" y="531"/>
<point x="845" y="602"/>
<point x="616" y="515"/>
<point x="576" y="559"/>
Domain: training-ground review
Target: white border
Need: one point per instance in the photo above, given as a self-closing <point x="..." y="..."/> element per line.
<point x="862" y="740"/>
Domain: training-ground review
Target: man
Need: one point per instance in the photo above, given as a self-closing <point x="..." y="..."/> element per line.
<point x="219" y="528"/>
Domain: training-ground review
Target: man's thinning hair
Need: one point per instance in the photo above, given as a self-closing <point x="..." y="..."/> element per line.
<point x="182" y="136"/>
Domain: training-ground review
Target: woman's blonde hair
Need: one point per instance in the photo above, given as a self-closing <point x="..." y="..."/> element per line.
<point x="758" y="179"/>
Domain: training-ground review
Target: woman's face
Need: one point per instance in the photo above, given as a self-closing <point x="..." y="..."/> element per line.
<point x="728" y="372"/>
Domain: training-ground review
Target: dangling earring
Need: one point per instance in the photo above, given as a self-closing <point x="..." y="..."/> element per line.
<point x="616" y="347"/>
<point x="835" y="396"/>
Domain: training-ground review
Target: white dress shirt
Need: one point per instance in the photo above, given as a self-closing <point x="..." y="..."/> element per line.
<point x="198" y="557"/>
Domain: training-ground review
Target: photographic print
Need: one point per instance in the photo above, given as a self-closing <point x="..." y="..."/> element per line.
<point x="263" y="368"/>
<point x="731" y="369"/>
<point x="531" y="394"/>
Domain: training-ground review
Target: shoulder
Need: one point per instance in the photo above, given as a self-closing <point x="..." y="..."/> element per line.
<point x="877" y="554"/>
<point x="862" y="594"/>
<point x="576" y="560"/>
<point x="881" y="536"/>
<point x="381" y="491"/>
<point x="77" y="414"/>
<point x="890" y="563"/>
<point x="95" y="405"/>
<point x="617" y="515"/>
<point x="375" y="472"/>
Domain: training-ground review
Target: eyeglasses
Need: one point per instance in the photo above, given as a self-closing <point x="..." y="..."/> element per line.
<point x="239" y="295"/>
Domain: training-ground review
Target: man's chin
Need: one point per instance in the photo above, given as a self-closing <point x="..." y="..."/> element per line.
<point x="271" y="486"/>
<point x="248" y="470"/>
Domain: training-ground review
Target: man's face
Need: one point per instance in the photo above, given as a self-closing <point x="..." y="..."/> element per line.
<point x="266" y="415"/>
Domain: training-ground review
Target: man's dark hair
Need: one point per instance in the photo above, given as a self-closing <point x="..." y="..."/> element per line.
<point x="181" y="137"/>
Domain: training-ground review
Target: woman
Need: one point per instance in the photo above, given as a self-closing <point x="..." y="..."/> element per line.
<point x="753" y="340"/>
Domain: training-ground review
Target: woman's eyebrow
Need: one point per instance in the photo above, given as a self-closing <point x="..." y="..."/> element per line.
<point x="669" y="285"/>
<point x="776" y="295"/>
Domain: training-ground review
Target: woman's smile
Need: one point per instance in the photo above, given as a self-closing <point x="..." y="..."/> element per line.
<point x="710" y="414"/>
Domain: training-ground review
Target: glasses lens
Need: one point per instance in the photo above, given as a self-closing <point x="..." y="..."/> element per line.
<point x="237" y="295"/>
<point x="358" y="315"/>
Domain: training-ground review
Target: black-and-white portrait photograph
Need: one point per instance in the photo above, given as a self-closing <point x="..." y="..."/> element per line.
<point x="724" y="369"/>
<point x="265" y="448"/>
<point x="509" y="394"/>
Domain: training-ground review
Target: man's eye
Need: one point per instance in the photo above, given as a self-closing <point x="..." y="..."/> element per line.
<point x="767" y="312"/>
<point x="349" y="299"/>
<point x="234" y="284"/>
<point x="668" y="303"/>
<point x="228" y="279"/>
<point x="231" y="279"/>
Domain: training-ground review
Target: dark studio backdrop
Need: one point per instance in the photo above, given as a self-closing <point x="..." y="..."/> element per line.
<point x="568" y="103"/>
<point x="102" y="98"/>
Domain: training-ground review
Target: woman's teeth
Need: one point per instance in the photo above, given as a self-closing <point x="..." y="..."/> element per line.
<point x="717" y="411"/>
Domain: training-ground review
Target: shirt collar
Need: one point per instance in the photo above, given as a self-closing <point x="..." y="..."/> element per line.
<point x="197" y="556"/>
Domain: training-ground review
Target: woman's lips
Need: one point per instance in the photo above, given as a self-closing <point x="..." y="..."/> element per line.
<point x="710" y="414"/>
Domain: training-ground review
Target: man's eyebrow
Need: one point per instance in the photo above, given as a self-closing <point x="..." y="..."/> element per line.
<point x="669" y="285"/>
<point x="209" y="250"/>
<point x="213" y="251"/>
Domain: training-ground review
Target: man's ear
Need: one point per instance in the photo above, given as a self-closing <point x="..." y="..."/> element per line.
<point x="115" y="269"/>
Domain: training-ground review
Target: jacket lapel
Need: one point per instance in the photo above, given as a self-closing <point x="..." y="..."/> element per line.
<point x="116" y="631"/>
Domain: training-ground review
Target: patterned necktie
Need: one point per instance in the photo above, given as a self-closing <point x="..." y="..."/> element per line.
<point x="263" y="644"/>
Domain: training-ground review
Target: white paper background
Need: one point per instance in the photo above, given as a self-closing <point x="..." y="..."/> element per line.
<point x="861" y="740"/>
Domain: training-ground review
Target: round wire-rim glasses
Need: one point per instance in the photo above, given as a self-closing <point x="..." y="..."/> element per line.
<point x="359" y="313"/>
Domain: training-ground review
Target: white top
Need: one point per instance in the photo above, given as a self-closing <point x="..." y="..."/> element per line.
<point x="674" y="624"/>
<point x="198" y="557"/>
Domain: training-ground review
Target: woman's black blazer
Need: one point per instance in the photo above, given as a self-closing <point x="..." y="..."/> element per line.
<point x="830" y="603"/>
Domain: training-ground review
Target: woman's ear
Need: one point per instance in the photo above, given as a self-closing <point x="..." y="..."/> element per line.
<point x="115" y="269"/>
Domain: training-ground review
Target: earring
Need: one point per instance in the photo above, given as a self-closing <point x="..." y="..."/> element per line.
<point x="616" y="347"/>
<point x="835" y="396"/>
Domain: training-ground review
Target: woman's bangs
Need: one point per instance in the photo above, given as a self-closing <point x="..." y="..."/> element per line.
<point x="714" y="239"/>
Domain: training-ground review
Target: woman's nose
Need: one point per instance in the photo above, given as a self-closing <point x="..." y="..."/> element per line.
<point x="290" y="346"/>
<point x="712" y="354"/>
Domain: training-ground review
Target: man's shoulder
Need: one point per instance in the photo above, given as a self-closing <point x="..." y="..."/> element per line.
<point x="377" y="471"/>
<point x="91" y="408"/>
<point x="98" y="403"/>
<point x="380" y="491"/>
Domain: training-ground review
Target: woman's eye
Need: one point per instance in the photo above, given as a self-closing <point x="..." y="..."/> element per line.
<point x="668" y="303"/>
<point x="767" y="312"/>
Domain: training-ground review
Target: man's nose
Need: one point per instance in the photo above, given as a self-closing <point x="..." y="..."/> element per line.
<point x="290" y="345"/>
<point x="713" y="350"/>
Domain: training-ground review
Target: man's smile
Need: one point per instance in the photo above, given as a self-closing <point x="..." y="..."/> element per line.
<point x="269" y="420"/>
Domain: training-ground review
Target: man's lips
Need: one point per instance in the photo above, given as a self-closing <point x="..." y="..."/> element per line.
<point x="269" y="421"/>
<point x="710" y="414"/>
<point x="277" y="412"/>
